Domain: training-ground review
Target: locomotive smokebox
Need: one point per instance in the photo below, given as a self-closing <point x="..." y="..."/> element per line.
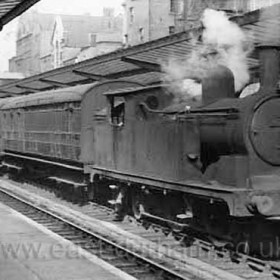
<point x="218" y="84"/>
<point x="269" y="57"/>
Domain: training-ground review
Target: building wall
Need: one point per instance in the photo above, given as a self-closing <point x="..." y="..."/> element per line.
<point x="159" y="18"/>
<point x="33" y="43"/>
<point x="136" y="19"/>
<point x="257" y="4"/>
<point x="43" y="41"/>
<point x="25" y="47"/>
<point x="46" y="63"/>
<point x="22" y="61"/>
<point x="164" y="17"/>
<point x="91" y="36"/>
<point x="147" y="20"/>
<point x="193" y="9"/>
<point x="46" y="60"/>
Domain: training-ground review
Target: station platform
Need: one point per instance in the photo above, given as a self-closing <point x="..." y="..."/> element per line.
<point x="28" y="251"/>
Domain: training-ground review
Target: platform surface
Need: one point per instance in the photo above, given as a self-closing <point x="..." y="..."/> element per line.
<point x="28" y="251"/>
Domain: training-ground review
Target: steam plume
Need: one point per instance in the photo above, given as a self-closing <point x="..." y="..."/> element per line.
<point x="224" y="43"/>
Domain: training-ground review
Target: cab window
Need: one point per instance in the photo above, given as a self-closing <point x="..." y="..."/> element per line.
<point x="117" y="111"/>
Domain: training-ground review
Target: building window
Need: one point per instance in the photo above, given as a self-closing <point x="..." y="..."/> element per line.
<point x="180" y="7"/>
<point x="126" y="40"/>
<point x="92" y="40"/>
<point x="131" y="14"/>
<point x="65" y="37"/>
<point x="172" y="6"/>
<point x="171" y="29"/>
<point x="141" y="34"/>
<point x="177" y="6"/>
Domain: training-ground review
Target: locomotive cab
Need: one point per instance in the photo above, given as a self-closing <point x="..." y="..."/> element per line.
<point x="146" y="142"/>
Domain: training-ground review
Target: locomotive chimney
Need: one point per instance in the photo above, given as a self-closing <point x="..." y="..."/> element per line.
<point x="269" y="67"/>
<point x="218" y="84"/>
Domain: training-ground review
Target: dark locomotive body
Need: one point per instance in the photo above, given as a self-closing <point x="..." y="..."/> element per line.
<point x="215" y="165"/>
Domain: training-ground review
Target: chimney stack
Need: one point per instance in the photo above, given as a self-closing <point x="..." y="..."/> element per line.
<point x="269" y="57"/>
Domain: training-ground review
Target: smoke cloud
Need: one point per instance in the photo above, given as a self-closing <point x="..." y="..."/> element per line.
<point x="222" y="43"/>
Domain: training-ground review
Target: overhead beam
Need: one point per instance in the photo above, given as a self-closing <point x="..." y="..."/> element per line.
<point x="154" y="67"/>
<point x="27" y="88"/>
<point x="7" y="92"/>
<point x="4" y="93"/>
<point x="90" y="76"/>
<point x="127" y="73"/>
<point x="53" y="83"/>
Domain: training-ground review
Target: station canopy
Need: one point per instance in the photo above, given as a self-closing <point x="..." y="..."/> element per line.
<point x="10" y="9"/>
<point x="141" y="63"/>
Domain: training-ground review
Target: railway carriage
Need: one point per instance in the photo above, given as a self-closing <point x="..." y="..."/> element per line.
<point x="41" y="134"/>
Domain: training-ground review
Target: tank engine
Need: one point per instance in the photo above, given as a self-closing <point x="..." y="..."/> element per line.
<point x="214" y="166"/>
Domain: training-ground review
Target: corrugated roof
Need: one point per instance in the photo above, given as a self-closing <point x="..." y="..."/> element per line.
<point x="9" y="9"/>
<point x="141" y="63"/>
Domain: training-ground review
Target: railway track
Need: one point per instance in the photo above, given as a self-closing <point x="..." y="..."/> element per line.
<point x="241" y="265"/>
<point x="124" y="259"/>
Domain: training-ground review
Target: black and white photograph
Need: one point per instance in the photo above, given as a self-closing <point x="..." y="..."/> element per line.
<point x="139" y="139"/>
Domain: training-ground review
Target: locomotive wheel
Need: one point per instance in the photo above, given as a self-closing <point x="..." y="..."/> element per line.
<point x="137" y="207"/>
<point x="213" y="218"/>
<point x="120" y="205"/>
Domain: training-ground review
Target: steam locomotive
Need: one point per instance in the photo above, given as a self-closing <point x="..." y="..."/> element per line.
<point x="214" y="166"/>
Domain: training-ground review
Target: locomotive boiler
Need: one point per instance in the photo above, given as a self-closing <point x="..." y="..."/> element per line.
<point x="213" y="166"/>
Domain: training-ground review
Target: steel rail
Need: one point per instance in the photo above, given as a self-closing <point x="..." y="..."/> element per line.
<point x="50" y="219"/>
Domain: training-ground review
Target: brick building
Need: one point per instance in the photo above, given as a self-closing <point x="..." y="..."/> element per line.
<point x="32" y="43"/>
<point x="147" y="20"/>
<point x="47" y="41"/>
<point x="75" y="37"/>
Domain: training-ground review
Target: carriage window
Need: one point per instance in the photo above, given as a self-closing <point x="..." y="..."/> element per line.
<point x="117" y="111"/>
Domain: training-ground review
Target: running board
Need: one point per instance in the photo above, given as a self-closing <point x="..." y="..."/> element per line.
<point x="69" y="182"/>
<point x="12" y="166"/>
<point x="43" y="161"/>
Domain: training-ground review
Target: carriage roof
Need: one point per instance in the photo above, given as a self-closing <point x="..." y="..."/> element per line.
<point x="69" y="94"/>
